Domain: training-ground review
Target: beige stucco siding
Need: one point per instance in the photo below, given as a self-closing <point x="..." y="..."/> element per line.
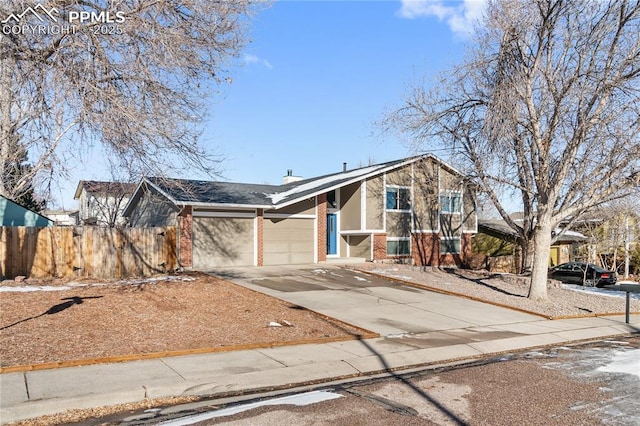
<point x="451" y="225"/>
<point x="450" y="181"/>
<point x="360" y="246"/>
<point x="470" y="219"/>
<point x="153" y="210"/>
<point x="425" y="196"/>
<point x="399" y="177"/>
<point x="288" y="241"/>
<point x="342" y="241"/>
<point x="375" y="203"/>
<point x="350" y="207"/>
<point x="398" y="224"/>
<point x="222" y="241"/>
<point x="303" y="207"/>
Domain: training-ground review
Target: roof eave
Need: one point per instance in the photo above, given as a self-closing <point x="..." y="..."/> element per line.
<point x="357" y="179"/>
<point x="224" y="205"/>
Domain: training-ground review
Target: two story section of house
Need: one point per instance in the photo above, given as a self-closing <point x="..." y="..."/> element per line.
<point x="415" y="210"/>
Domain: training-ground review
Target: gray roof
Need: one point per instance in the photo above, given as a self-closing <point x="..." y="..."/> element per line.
<point x="217" y="193"/>
<point x="499" y="228"/>
<point x="197" y="191"/>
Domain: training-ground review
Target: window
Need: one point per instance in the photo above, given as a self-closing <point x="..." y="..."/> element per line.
<point x="398" y="198"/>
<point x="451" y="202"/>
<point x="398" y="246"/>
<point x="450" y="245"/>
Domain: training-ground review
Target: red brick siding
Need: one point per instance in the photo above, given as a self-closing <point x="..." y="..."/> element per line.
<point x="185" y="245"/>
<point x="425" y="249"/>
<point x="321" y="202"/>
<point x="260" y="237"/>
<point x="379" y="246"/>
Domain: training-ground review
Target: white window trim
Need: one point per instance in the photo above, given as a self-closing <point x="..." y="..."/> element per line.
<point x="363" y="204"/>
<point x="399" y="239"/>
<point x="408" y="188"/>
<point x="449" y="193"/>
<point x="449" y="239"/>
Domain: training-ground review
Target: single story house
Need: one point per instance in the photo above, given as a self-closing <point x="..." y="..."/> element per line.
<point x="417" y="210"/>
<point x="13" y="214"/>
<point x="63" y="217"/>
<point x="562" y="249"/>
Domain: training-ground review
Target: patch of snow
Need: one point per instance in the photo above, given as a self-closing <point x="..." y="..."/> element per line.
<point x="319" y="271"/>
<point x="360" y="278"/>
<point x="628" y="282"/>
<point x="274" y="324"/>
<point x="627" y="362"/>
<point x="301" y="399"/>
<point x="396" y="336"/>
<point x="151" y="280"/>
<point x="70" y="286"/>
<point x="386" y="273"/>
<point x="34" y="288"/>
<point x="600" y="291"/>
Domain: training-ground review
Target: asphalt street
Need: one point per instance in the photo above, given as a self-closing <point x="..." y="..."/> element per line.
<point x="561" y="385"/>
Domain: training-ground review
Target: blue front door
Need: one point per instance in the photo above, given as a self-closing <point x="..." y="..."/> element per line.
<point x="332" y="234"/>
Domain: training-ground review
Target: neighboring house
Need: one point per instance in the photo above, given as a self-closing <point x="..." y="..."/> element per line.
<point x="612" y="235"/>
<point x="13" y="214"/>
<point x="101" y="203"/>
<point x="497" y="240"/>
<point x="63" y="217"/>
<point x="417" y="210"/>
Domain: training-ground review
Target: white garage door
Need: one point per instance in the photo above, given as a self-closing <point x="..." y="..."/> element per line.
<point x="222" y="241"/>
<point x="288" y="241"/>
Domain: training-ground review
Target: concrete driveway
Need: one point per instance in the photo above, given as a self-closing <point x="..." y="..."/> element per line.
<point x="373" y="303"/>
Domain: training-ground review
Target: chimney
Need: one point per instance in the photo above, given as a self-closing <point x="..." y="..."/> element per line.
<point x="290" y="177"/>
<point x="344" y="167"/>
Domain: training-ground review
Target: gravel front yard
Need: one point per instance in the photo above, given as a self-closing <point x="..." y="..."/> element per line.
<point x="510" y="290"/>
<point x="70" y="321"/>
<point x="66" y="321"/>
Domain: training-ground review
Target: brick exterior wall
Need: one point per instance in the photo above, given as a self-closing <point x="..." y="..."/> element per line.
<point x="185" y="245"/>
<point x="467" y="250"/>
<point x="260" y="235"/>
<point x="321" y="203"/>
<point x="379" y="246"/>
<point x="425" y="249"/>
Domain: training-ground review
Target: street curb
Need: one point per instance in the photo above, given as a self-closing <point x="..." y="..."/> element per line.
<point x="19" y="413"/>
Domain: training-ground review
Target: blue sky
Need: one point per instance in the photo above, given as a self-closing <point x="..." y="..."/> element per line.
<point x="307" y="90"/>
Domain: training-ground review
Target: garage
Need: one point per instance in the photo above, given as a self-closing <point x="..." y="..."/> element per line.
<point x="223" y="241"/>
<point x="288" y="240"/>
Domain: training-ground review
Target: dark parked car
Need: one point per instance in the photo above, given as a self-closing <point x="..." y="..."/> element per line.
<point x="574" y="273"/>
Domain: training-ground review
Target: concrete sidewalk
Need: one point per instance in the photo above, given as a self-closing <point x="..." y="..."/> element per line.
<point x="477" y="330"/>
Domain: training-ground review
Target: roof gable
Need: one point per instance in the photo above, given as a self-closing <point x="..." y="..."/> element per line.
<point x="248" y="195"/>
<point x="13" y="214"/>
<point x="97" y="187"/>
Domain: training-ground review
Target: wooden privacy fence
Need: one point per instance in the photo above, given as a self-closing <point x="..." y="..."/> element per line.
<point x="86" y="251"/>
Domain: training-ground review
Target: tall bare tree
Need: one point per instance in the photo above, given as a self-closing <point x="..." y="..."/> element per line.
<point x="546" y="106"/>
<point x="130" y="75"/>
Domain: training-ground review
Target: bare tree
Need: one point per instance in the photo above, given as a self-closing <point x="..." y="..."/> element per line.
<point x="129" y="75"/>
<point x="545" y="106"/>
